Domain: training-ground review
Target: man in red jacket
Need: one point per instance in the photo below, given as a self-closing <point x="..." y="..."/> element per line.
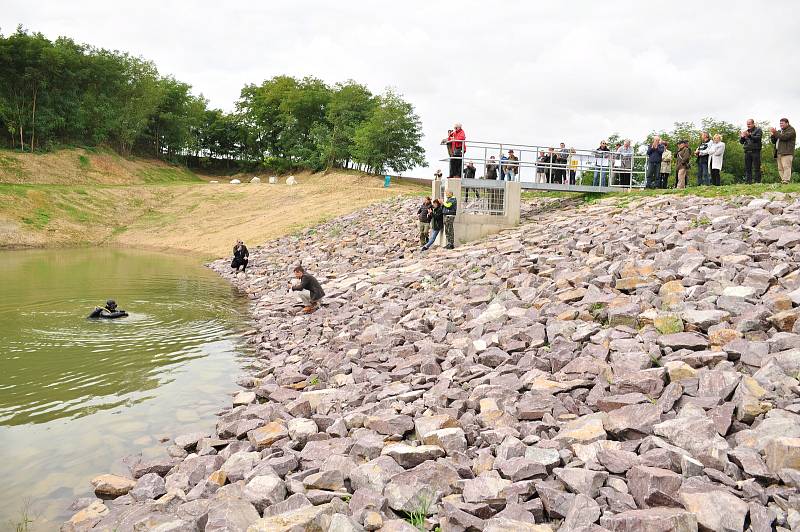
<point x="456" y="148"/>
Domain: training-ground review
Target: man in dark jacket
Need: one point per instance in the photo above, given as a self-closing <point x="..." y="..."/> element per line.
<point x="308" y="289"/>
<point x="240" y="256"/>
<point x="491" y="168"/>
<point x="783" y="141"/>
<point x="449" y="210"/>
<point x="750" y="139"/>
<point x="654" y="152"/>
<point x="424" y="213"/>
<point x="469" y="171"/>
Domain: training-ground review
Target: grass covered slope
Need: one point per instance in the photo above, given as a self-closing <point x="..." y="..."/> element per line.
<point x="84" y="166"/>
<point x="174" y="211"/>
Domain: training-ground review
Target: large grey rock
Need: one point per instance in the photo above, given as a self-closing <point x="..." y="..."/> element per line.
<point x="230" y="514"/>
<point x="149" y="486"/>
<point x="653" y="487"/>
<point x="716" y="509"/>
<point x="651" y="520"/>
<point x="423" y="485"/>
<point x="263" y="491"/>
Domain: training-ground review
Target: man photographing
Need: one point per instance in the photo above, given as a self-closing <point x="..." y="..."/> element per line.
<point x="784" y="140"/>
<point x="456" y="147"/>
<point x="308" y="289"/>
<point x="750" y="139"/>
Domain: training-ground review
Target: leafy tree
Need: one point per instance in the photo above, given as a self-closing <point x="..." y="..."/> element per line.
<point x="390" y="138"/>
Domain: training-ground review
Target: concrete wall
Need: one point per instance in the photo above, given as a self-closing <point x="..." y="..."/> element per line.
<point x="471" y="227"/>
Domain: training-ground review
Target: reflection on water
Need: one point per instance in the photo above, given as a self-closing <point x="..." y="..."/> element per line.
<point x="77" y="394"/>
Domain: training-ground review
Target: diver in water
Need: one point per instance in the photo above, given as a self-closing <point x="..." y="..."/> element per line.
<point x="110" y="311"/>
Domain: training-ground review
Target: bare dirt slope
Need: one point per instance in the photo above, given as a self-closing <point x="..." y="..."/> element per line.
<point x="195" y="217"/>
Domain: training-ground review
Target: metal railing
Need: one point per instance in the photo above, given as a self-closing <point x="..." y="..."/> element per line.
<point x="563" y="169"/>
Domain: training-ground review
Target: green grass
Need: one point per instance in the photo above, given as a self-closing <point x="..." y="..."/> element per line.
<point x="19" y="191"/>
<point x="83" y="162"/>
<point x="39" y="219"/>
<point x="416" y="517"/>
<point x="11" y="165"/>
<point x="169" y="174"/>
<point x="75" y="213"/>
<point x="706" y="192"/>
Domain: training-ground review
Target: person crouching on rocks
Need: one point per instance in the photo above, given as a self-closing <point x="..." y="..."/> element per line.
<point x="308" y="289"/>
<point x="240" y="256"/>
<point x="437" y="223"/>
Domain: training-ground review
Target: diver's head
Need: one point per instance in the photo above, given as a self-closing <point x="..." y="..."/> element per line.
<point x="111" y="304"/>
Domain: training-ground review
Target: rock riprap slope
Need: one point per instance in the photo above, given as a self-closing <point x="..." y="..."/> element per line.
<point x="598" y="368"/>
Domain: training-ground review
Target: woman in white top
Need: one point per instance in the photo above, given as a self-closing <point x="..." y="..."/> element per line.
<point x="716" y="149"/>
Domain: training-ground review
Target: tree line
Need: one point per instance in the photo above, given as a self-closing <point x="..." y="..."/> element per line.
<point x="62" y="93"/>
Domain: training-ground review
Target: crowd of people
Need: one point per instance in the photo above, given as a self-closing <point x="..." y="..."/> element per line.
<point x="562" y="165"/>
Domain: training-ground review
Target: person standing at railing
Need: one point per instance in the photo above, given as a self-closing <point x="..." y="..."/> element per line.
<point x="702" y="160"/>
<point x="750" y="139"/>
<point x="601" y="158"/>
<point x="513" y="166"/>
<point x="551" y="160"/>
<point x="784" y="141"/>
<point x="654" y="153"/>
<point x="503" y="166"/>
<point x="573" y="162"/>
<point x="625" y="155"/>
<point x="666" y="166"/>
<point x="683" y="158"/>
<point x="456" y="148"/>
<point x="469" y="171"/>
<point x="561" y="159"/>
<point x="541" y="168"/>
<point x="491" y="168"/>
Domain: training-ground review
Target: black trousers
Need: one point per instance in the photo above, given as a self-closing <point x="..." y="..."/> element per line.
<point x="752" y="166"/>
<point x="662" y="182"/>
<point x="715" y="178"/>
<point x="456" y="162"/>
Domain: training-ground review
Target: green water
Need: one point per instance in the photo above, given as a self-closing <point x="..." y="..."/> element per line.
<point x="76" y="395"/>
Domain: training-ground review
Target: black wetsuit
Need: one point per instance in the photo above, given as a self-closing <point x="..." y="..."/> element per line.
<point x="240" y="257"/>
<point x="107" y="313"/>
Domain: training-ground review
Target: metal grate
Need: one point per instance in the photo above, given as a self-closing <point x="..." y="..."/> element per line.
<point x="483" y="197"/>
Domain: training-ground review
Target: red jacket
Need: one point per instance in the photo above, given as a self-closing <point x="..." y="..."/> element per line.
<point x="456" y="141"/>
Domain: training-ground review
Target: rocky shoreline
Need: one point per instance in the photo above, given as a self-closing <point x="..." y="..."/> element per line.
<point x="612" y="367"/>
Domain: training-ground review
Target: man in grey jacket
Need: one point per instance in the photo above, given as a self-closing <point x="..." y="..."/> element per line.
<point x="750" y="139"/>
<point x="784" y="141"/>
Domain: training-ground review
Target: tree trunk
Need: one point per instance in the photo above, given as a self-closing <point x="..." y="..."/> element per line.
<point x="33" y="119"/>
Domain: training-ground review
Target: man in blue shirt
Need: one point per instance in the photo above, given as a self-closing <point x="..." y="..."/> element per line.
<point x="654" y="153"/>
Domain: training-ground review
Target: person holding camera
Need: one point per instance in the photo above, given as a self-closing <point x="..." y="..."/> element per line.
<point x="456" y="148"/>
<point x="715" y="151"/>
<point x="750" y="139"/>
<point x="308" y="289"/>
<point x="666" y="166"/>
<point x="702" y="159"/>
<point x="601" y="158"/>
<point x="424" y="215"/>
<point x="654" y="154"/>
<point x="783" y="141"/>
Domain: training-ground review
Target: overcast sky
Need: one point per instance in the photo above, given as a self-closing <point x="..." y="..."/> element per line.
<point x="520" y="72"/>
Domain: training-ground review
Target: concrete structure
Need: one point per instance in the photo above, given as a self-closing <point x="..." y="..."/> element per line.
<point x="496" y="206"/>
